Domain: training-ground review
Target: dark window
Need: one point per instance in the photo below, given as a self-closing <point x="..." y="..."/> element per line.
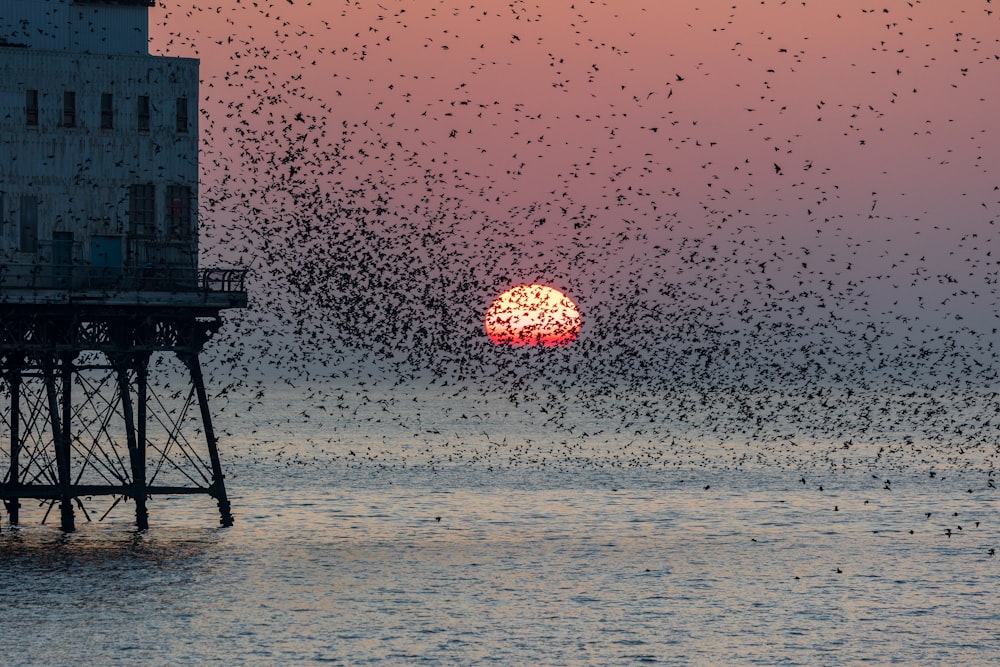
<point x="62" y="258"/>
<point x="28" y="228"/>
<point x="143" y="109"/>
<point x="69" y="109"/>
<point x="31" y="107"/>
<point x="142" y="210"/>
<point x="107" y="111"/>
<point x="179" y="212"/>
<point x="182" y="114"/>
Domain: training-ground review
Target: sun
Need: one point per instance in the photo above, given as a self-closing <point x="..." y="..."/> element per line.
<point x="532" y="315"/>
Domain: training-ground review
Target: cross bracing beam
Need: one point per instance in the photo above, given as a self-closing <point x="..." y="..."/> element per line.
<point x="85" y="416"/>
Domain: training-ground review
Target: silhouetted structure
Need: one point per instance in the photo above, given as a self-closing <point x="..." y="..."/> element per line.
<point x="98" y="261"/>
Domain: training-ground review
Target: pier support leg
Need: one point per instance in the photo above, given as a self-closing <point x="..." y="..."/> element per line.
<point x="218" y="489"/>
<point x="67" y="520"/>
<point x="60" y="415"/>
<point x="135" y="432"/>
<point x="14" y="383"/>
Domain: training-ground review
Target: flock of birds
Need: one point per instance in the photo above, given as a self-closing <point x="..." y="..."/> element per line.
<point x="777" y="222"/>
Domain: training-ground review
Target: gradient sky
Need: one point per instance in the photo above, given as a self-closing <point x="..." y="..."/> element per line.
<point x="656" y="157"/>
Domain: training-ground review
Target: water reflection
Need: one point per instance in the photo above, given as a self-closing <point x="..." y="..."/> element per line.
<point x="571" y="569"/>
<point x="101" y="545"/>
<point x="475" y="552"/>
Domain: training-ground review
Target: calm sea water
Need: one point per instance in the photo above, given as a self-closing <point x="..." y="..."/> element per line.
<point x="421" y="528"/>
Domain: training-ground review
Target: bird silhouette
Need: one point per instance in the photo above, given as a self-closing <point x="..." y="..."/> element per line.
<point x="770" y="270"/>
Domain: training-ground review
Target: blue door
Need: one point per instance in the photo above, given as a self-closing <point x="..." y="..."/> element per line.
<point x="106" y="258"/>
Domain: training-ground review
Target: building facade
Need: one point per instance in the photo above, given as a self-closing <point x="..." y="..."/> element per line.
<point x="98" y="150"/>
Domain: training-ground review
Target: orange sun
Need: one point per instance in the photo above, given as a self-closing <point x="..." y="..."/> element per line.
<point x="532" y="315"/>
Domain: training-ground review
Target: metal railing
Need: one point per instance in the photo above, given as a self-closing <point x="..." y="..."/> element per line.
<point x="222" y="279"/>
<point x="76" y="278"/>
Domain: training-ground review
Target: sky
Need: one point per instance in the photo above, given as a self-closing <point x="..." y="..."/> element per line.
<point x="716" y="185"/>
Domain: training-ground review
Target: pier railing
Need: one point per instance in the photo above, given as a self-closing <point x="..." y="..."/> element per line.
<point x="77" y="278"/>
<point x="222" y="279"/>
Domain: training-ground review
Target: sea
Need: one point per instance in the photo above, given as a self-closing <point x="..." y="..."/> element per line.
<point x="419" y="524"/>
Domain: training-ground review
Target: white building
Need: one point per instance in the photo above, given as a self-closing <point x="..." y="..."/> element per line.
<point x="98" y="151"/>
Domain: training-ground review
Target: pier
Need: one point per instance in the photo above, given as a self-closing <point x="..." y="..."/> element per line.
<point x="99" y="270"/>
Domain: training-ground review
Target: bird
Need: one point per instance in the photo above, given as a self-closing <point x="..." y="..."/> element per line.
<point x="729" y="319"/>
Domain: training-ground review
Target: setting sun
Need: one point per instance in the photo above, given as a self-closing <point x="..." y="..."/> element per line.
<point x="532" y="315"/>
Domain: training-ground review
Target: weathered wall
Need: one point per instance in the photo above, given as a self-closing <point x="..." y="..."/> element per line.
<point x="65" y="25"/>
<point x="81" y="174"/>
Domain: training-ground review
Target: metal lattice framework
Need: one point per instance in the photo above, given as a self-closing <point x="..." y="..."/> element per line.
<point x="82" y="419"/>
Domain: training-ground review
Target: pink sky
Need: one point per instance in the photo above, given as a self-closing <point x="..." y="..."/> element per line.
<point x="637" y="130"/>
<point x="558" y="84"/>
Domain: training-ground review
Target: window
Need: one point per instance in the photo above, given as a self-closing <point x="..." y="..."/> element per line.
<point x="28" y="228"/>
<point x="182" y="114"/>
<point x="142" y="210"/>
<point x="179" y="212"/>
<point x="69" y="109"/>
<point x="107" y="111"/>
<point x="31" y="108"/>
<point x="62" y="258"/>
<point x="143" y="109"/>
